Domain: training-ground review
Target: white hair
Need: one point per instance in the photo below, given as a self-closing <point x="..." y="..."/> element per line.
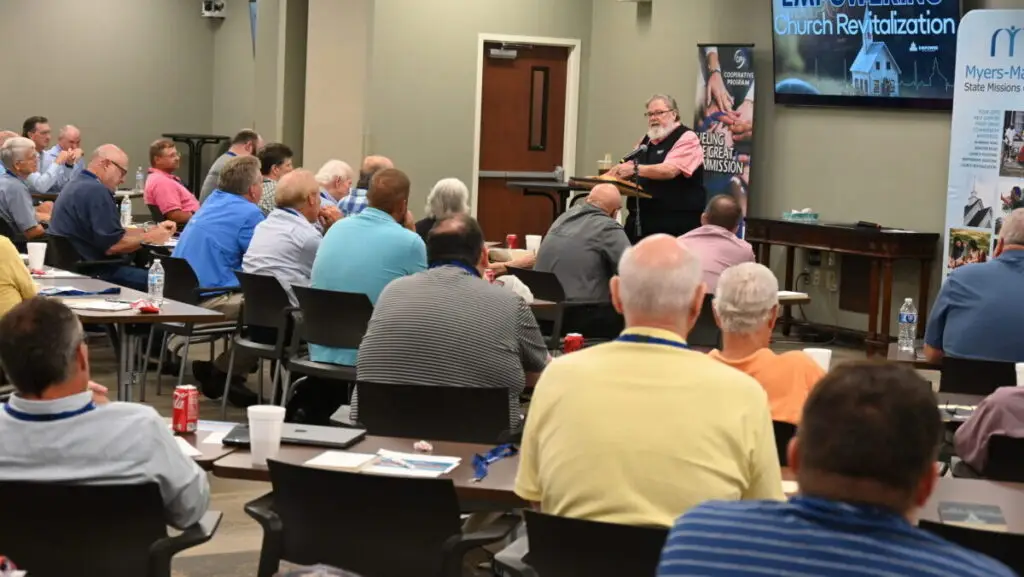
<point x="745" y="297"/>
<point x="656" y="290"/>
<point x="333" y="169"/>
<point x="667" y="99"/>
<point x="15" y="149"/>
<point x="449" y="196"/>
<point x="1013" y="228"/>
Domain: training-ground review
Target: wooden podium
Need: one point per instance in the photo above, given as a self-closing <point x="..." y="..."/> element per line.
<point x="625" y="187"/>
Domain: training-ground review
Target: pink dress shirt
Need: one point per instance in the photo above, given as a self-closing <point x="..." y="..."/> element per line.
<point x="718" y="250"/>
<point x="1001" y="413"/>
<point x="686" y="154"/>
<point x="167" y="193"/>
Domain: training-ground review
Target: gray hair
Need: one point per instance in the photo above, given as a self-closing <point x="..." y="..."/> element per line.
<point x="1013" y="228"/>
<point x="449" y="196"/>
<point x="333" y="169"/>
<point x="667" y="99"/>
<point x="745" y="297"/>
<point x="15" y="149"/>
<point x="239" y="175"/>
<point x="657" y="291"/>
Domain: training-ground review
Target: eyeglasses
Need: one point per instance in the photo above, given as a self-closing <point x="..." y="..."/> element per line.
<point x="656" y="113"/>
<point x="124" y="171"/>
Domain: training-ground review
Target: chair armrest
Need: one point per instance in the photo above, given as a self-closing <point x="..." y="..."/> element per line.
<point x="161" y="552"/>
<point x="261" y="509"/>
<point x="456" y="546"/>
<point x="272" y="548"/>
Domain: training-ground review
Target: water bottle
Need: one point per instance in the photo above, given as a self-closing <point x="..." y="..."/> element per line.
<point x="126" y="211"/>
<point x="156" y="283"/>
<point x="140" y="181"/>
<point x="908" y="325"/>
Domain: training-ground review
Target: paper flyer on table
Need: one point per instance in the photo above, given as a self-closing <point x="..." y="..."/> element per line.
<point x="340" y="460"/>
<point x="187" y="448"/>
<point x="411" y="464"/>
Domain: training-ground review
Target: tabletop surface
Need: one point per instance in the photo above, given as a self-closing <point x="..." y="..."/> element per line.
<point x="916" y="358"/>
<point x="210" y="451"/>
<point x="171" y="312"/>
<point x="552" y="185"/>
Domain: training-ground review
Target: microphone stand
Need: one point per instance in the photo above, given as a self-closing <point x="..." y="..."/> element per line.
<point x="636" y="181"/>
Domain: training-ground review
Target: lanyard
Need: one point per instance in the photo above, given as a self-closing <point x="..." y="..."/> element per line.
<point x="292" y="211"/>
<point x="229" y="153"/>
<point x="8" y="170"/>
<point x="630" y="338"/>
<point x="21" y="416"/>
<point x="481" y="462"/>
<point x="455" y="263"/>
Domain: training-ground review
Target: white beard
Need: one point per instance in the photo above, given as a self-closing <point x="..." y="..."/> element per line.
<point x="659" y="132"/>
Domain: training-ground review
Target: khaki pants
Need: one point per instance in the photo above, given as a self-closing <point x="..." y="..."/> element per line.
<point x="229" y="305"/>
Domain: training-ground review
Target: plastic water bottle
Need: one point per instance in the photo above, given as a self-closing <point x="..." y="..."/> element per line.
<point x="126" y="211"/>
<point x="156" y="283"/>
<point x="908" y="325"/>
<point x="140" y="181"/>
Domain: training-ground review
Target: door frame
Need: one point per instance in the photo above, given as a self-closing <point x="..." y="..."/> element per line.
<point x="572" y="99"/>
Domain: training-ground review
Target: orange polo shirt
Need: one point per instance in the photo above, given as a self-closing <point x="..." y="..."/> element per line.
<point x="787" y="378"/>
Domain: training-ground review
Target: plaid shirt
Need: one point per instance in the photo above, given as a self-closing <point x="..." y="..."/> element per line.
<point x="354" y="203"/>
<point x="267" y="202"/>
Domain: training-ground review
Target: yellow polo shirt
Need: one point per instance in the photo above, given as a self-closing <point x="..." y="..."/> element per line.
<point x="638" y="433"/>
<point x="16" y="283"/>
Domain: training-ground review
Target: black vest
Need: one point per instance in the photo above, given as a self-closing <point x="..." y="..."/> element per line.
<point x="682" y="193"/>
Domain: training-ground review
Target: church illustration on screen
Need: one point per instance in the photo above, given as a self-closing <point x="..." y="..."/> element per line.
<point x="874" y="72"/>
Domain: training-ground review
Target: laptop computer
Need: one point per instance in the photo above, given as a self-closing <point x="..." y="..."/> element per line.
<point x="298" y="434"/>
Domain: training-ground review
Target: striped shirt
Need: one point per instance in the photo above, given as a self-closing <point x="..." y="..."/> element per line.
<point x="446" y="326"/>
<point x="808" y="537"/>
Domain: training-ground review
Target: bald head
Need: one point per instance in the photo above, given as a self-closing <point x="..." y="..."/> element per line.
<point x="389" y="191"/>
<point x="7" y="135"/>
<point x="723" y="210"/>
<point x="110" y="165"/>
<point x="457" y="238"/>
<point x="606" y="197"/>
<point x="294" y="188"/>
<point x="659" y="285"/>
<point x="70" y="135"/>
<point x="371" y="166"/>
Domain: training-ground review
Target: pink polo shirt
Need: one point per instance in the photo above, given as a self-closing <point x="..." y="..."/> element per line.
<point x="718" y="250"/>
<point x="167" y="193"/>
<point x="686" y="154"/>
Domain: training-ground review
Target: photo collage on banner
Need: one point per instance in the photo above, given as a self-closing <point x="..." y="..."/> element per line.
<point x="986" y="164"/>
<point x="724" y="118"/>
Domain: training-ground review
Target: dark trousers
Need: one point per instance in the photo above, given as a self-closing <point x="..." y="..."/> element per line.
<point x="657" y="221"/>
<point x="597" y="321"/>
<point x="127" y="276"/>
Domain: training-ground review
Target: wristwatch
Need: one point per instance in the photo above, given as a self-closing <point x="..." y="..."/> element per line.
<point x="713" y="70"/>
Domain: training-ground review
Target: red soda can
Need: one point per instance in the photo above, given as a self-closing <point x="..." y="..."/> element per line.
<point x="489" y="274"/>
<point x="511" y="241"/>
<point x="186" y="409"/>
<point x="573" y="342"/>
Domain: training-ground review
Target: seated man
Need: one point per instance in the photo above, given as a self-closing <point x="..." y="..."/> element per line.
<point x="86" y="214"/>
<point x="640" y="429"/>
<point x="363" y="253"/>
<point x="245" y="143"/>
<point x="19" y="158"/>
<point x="864" y="457"/>
<point x="56" y="429"/>
<point x="746" y="308"/>
<point x="285" y="244"/>
<point x="335" y="178"/>
<point x="48" y="177"/>
<point x="164" y="190"/>
<point x="715" y="242"/>
<point x="973" y="316"/>
<point x="214" y="243"/>
<point x="16" y="283"/>
<point x="1001" y="413"/>
<point x="448" y="326"/>
<point x="583" y="249"/>
<point x="275" y="162"/>
<point x="69" y="141"/>
<point x="356" y="200"/>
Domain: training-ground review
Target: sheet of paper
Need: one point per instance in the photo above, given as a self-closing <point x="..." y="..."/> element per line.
<point x="386" y="469"/>
<point x="973" y="515"/>
<point x="340" y="460"/>
<point x="56" y="289"/>
<point x="412" y="464"/>
<point x="57" y="273"/>
<point x="96" y="305"/>
<point x="791" y="294"/>
<point x="187" y="448"/>
<point x="214" y="438"/>
<point x="215" y="426"/>
<point x="790" y="487"/>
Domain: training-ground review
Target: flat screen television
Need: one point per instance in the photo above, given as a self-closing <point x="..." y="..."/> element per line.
<point x="878" y="53"/>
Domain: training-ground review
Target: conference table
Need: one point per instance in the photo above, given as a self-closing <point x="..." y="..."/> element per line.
<point x="208" y="452"/>
<point x="916" y="358"/>
<point x="52" y="196"/>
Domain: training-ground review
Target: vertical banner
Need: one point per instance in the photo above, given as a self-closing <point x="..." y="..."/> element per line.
<point x="724" y="117"/>
<point x="986" y="161"/>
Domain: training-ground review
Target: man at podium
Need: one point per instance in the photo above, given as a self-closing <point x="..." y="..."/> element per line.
<point x="671" y="170"/>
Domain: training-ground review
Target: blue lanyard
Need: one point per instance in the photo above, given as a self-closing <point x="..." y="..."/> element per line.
<point x="455" y="263"/>
<point x="630" y="338"/>
<point x="229" y="153"/>
<point x="21" y="416"/>
<point x="8" y="170"/>
<point x="292" y="211"/>
<point x="481" y="462"/>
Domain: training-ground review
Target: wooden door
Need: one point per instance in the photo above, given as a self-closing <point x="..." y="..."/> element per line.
<point x="522" y="130"/>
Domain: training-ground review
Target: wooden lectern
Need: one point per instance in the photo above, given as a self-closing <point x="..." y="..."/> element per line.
<point x="625" y="187"/>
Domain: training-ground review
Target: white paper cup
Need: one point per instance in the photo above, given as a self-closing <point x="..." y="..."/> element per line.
<point x="533" y="242"/>
<point x="36" y="255"/>
<point x="1020" y="374"/>
<point x="821" y="356"/>
<point x="265" y="424"/>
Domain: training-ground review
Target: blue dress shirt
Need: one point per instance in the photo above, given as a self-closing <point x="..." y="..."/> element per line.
<point x="217" y="237"/>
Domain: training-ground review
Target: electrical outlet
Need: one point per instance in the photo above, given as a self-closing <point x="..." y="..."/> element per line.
<point x="831" y="259"/>
<point x="830" y="281"/>
<point x="816" y="278"/>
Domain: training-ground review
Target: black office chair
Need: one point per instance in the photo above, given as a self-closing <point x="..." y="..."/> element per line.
<point x="783" y="433"/>
<point x="154" y="213"/>
<point x="369" y="524"/>
<point x="7" y="230"/>
<point x="1005" y="547"/>
<point x="705" y="332"/>
<point x="545" y="286"/>
<point x="975" y="377"/>
<point x="60" y="253"/>
<point x="1005" y="461"/>
<point x="331" y="319"/>
<point x="444" y="413"/>
<point x="56" y="530"/>
<point x="562" y="547"/>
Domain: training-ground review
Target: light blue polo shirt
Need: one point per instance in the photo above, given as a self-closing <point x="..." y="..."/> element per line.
<point x="217" y="236"/>
<point x="976" y="314"/>
<point x="362" y="254"/>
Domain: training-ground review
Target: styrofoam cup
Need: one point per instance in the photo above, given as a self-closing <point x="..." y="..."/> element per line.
<point x="265" y="424"/>
<point x="533" y="242"/>
<point x="36" y="255"/>
<point x="821" y="356"/>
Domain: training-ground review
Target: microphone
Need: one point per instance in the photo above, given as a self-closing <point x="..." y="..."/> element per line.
<point x="636" y="152"/>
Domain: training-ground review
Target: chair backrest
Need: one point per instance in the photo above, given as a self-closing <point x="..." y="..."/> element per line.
<point x="705" y="332"/>
<point x="60" y="253"/>
<point x="565" y="546"/>
<point x="1004" y="547"/>
<point x="975" y="377"/>
<point x="783" y="433"/>
<point x="1005" y="459"/>
<point x="154" y="213"/>
<point x="441" y="412"/>
<point x="265" y="299"/>
<point x="332" y="318"/>
<point x="180" y="281"/>
<point x="544" y="285"/>
<point x="55" y="530"/>
<point x="359" y="521"/>
<point x="7" y="230"/>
